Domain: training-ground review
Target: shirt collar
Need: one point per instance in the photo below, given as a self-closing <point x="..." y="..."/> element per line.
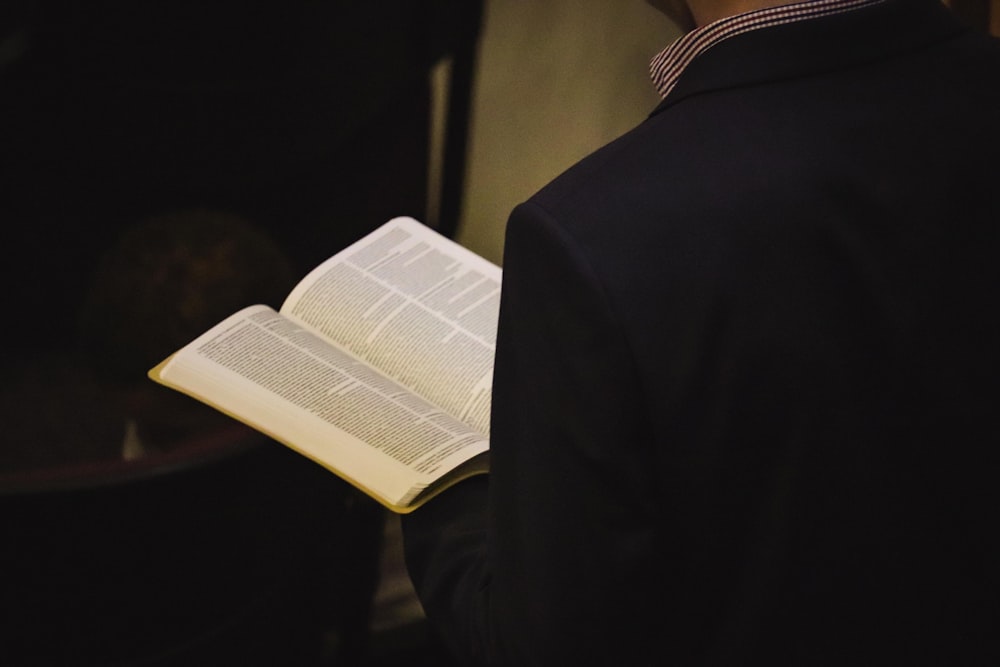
<point x="668" y="65"/>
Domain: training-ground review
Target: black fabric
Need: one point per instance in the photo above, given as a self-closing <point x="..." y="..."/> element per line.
<point x="745" y="384"/>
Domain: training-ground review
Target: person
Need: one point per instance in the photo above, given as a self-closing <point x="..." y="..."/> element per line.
<point x="159" y="284"/>
<point x="162" y="283"/>
<point x="188" y="538"/>
<point x="746" y="370"/>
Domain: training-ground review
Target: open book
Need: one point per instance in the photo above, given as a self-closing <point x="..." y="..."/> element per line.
<point x="378" y="365"/>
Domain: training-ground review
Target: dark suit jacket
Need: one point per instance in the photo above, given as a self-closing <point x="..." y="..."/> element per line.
<point x="746" y="392"/>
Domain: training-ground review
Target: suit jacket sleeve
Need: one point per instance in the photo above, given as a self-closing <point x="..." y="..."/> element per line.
<point x="540" y="562"/>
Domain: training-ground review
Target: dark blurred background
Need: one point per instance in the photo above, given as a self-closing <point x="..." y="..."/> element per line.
<point x="306" y="122"/>
<point x="309" y="118"/>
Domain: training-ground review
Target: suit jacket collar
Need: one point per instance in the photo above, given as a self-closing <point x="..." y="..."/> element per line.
<point x="816" y="45"/>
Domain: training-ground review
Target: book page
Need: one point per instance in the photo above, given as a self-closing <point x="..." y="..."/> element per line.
<point x="417" y="306"/>
<point x="333" y="408"/>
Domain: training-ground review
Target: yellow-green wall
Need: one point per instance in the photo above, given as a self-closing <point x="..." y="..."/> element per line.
<point x="556" y="79"/>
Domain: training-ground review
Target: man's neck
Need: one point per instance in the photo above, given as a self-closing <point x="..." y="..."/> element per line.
<point x="708" y="11"/>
